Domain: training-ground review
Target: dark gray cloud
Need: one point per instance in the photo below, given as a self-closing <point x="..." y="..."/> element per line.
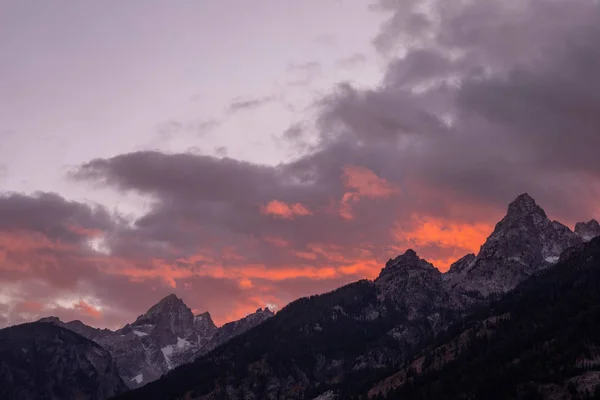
<point x="486" y="100"/>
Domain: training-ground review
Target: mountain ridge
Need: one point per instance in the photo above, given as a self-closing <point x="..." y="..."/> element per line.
<point x="167" y="335"/>
<point x="342" y="339"/>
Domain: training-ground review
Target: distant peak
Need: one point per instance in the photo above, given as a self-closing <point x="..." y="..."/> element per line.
<point x="409" y="253"/>
<point x="265" y="310"/>
<point x="408" y="260"/>
<point x="205" y="314"/>
<point x="49" y="319"/>
<point x="587" y="230"/>
<point x="169" y="298"/>
<point x="524" y="204"/>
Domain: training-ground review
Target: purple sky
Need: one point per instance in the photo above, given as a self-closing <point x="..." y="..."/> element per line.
<point x="243" y="154"/>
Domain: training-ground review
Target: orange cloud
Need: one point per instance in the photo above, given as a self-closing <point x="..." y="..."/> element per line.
<point x="245" y="283"/>
<point x="87" y="309"/>
<point x="30" y="307"/>
<point x="362" y="182"/>
<point x="283" y="210"/>
<point x="79" y="230"/>
<point x="459" y="237"/>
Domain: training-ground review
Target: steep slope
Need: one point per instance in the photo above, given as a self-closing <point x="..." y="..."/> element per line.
<point x="524" y="242"/>
<point x="164" y="337"/>
<point x="79" y="327"/>
<point x="587" y="230"/>
<point x="345" y="337"/>
<point x="540" y="341"/>
<point x="44" y="361"/>
<point x="233" y="329"/>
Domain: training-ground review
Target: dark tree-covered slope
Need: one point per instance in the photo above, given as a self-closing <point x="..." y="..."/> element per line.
<point x="43" y="361"/>
<point x="540" y="341"/>
<point x="313" y="344"/>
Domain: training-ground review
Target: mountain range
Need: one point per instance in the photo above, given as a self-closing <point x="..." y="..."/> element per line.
<point x="164" y="337"/>
<point x="362" y="340"/>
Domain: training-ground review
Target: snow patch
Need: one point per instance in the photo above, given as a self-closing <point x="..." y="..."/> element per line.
<point x="138" y="378"/>
<point x="167" y="351"/>
<point x="181" y="343"/>
<point x="140" y="334"/>
<point x="552" y="259"/>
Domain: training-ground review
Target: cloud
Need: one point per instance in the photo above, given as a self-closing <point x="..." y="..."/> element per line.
<point x="310" y="68"/>
<point x="172" y="128"/>
<point x="481" y="101"/>
<point x="351" y="61"/>
<point x="241" y="104"/>
<point x="282" y="210"/>
<point x="362" y="182"/>
<point x="86" y="309"/>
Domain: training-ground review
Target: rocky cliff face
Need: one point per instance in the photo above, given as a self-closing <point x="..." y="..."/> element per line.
<point x="587" y="230"/>
<point x="44" y="361"/>
<point x="164" y="337"/>
<point x="233" y="329"/>
<point x="524" y="242"/>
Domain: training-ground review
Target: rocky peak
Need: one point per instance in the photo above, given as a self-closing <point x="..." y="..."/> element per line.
<point x="233" y="329"/>
<point x="405" y="262"/>
<point x="522" y="243"/>
<point x="412" y="284"/>
<point x="524" y="205"/>
<point x="204" y="327"/>
<point x="587" y="230"/>
<point x="51" y="319"/>
<point x="170" y="306"/>
<point x="462" y="264"/>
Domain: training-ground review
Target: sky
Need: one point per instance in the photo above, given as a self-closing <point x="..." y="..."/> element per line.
<point x="244" y="154"/>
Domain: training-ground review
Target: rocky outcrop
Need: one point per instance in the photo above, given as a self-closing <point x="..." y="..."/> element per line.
<point x="164" y="337"/>
<point x="41" y="360"/>
<point x="524" y="242"/>
<point x="233" y="329"/>
<point x="587" y="230"/>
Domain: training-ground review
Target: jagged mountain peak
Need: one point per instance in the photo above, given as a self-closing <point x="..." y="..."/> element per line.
<point x="522" y="243"/>
<point x="203" y="317"/>
<point x="524" y="204"/>
<point x="204" y="324"/>
<point x="51" y="319"/>
<point x="168" y="305"/>
<point x="587" y="230"/>
<point x="170" y="299"/>
<point x="265" y="310"/>
<point x="407" y="261"/>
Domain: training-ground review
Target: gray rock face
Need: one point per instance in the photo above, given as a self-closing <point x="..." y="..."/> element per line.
<point x="233" y="329"/>
<point x="166" y="336"/>
<point x="462" y="264"/>
<point x="587" y="230"/>
<point x="44" y="361"/>
<point x="523" y="242"/>
<point x="413" y="285"/>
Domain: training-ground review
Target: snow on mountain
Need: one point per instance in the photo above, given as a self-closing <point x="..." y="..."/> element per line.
<point x="164" y="337"/>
